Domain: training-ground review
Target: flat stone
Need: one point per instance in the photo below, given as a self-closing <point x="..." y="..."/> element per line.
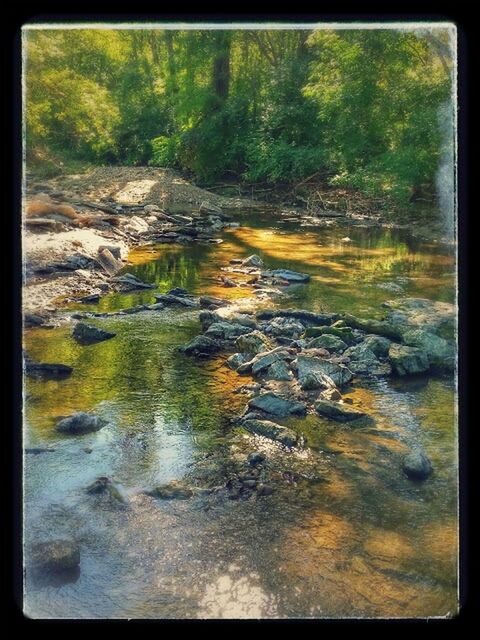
<point x="201" y="345"/>
<point x="271" y="430"/>
<point x="271" y="403"/>
<point x="286" y="274"/>
<point x="338" y="373"/>
<point x="86" y="334"/>
<point x="340" y="412"/>
<point x="252" y="343"/>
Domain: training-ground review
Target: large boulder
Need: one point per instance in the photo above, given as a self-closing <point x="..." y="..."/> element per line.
<point x="275" y="405"/>
<point x="420" y="313"/>
<point x="201" y="346"/>
<point x="341" y="412"/>
<point x="86" y="334"/>
<point x="55" y="555"/>
<point x="307" y="365"/>
<point x="263" y="361"/>
<point x="364" y="361"/>
<point x="416" y="465"/>
<point x="407" y="360"/>
<point x="79" y="423"/>
<point x="271" y="430"/>
<point x="440" y="352"/>
<point x="253" y="343"/>
<point x="286" y="274"/>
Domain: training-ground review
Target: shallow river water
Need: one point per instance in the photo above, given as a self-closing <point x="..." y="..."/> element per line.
<point x="345" y="534"/>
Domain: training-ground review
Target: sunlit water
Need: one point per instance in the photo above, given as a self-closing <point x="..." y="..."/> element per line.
<point x="344" y="535"/>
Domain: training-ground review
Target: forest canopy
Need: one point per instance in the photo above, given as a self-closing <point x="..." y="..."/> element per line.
<point x="369" y="109"/>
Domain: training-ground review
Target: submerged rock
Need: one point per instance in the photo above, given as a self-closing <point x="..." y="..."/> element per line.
<point x="55" y="555"/>
<point x="180" y="300"/>
<point x="286" y="274"/>
<point x="417" y="465"/>
<point x="80" y="423"/>
<point x="48" y="371"/>
<point x="271" y="430"/>
<point x="271" y="403"/>
<point x="104" y="485"/>
<point x="171" y="491"/>
<point x="86" y="334"/>
<point x="408" y="360"/>
<point x="201" y="346"/>
<point x="340" y="412"/>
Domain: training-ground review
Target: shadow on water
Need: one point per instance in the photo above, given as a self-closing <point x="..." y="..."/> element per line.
<point x="363" y="541"/>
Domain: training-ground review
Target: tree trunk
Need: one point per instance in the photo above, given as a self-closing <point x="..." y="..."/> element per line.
<point x="221" y="65"/>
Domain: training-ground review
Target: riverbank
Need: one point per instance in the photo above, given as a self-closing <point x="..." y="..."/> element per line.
<point x="70" y="219"/>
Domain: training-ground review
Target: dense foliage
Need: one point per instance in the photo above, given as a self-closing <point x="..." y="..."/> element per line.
<point x="359" y="106"/>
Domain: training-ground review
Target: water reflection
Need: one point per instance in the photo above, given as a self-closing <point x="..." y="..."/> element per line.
<point x="362" y="541"/>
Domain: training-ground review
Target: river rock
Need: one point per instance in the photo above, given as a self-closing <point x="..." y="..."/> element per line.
<point x="79" y="423"/>
<point x="420" y="313"/>
<point x="344" y="333"/>
<point x="378" y="345"/>
<point x="271" y="430"/>
<point x="201" y="346"/>
<point x="245" y="319"/>
<point x="48" y="371"/>
<point x="340" y="412"/>
<point x="181" y="300"/>
<point x="417" y="465"/>
<point x="88" y="334"/>
<point x="208" y="318"/>
<point x="275" y="405"/>
<point x="285" y="327"/>
<point x="253" y="261"/>
<point x="255" y="458"/>
<point x="332" y="393"/>
<point x="104" y="485"/>
<point x="378" y="327"/>
<point x="327" y="341"/>
<point x="171" y="491"/>
<point x="226" y="330"/>
<point x="279" y="371"/>
<point x="252" y="343"/>
<point x="55" y="555"/>
<point x="132" y="282"/>
<point x="305" y="317"/>
<point x="338" y="373"/>
<point x="407" y="360"/>
<point x="440" y="352"/>
<point x="236" y="360"/>
<point x="211" y="302"/>
<point x="286" y="274"/>
<point x="362" y="359"/>
<point x="264" y="360"/>
<point x="264" y="490"/>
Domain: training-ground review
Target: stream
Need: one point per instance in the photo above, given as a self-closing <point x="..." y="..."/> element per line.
<point x="345" y="534"/>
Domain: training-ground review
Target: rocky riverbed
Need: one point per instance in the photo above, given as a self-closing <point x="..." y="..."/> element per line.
<point x="260" y="427"/>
